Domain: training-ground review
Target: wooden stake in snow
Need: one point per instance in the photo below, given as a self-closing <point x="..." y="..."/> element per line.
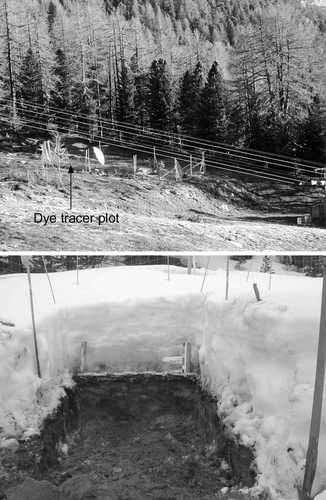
<point x="189" y="264"/>
<point x="25" y="262"/>
<point x="202" y="285"/>
<point x="256" y="292"/>
<point x="77" y="270"/>
<point x="83" y="357"/>
<point x="249" y="267"/>
<point x="227" y="278"/>
<point x="46" y="270"/>
<point x="187" y="356"/>
<point x="304" y="493"/>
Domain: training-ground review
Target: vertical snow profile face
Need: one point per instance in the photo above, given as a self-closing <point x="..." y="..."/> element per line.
<point x="257" y="358"/>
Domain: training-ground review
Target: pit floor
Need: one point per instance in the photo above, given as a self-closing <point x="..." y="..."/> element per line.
<point x="144" y="436"/>
<point x="137" y="438"/>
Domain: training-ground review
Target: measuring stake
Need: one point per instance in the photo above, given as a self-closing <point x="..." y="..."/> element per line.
<point x="304" y="493"/>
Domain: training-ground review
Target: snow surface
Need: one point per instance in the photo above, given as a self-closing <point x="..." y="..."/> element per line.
<point x="258" y="358"/>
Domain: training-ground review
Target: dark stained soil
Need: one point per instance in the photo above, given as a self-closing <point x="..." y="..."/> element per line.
<point x="141" y="437"/>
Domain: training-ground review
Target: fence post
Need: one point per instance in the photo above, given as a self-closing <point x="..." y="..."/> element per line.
<point x="194" y="263"/>
<point x="177" y="174"/>
<point x="83" y="357"/>
<point x="203" y="164"/>
<point x="190" y="164"/>
<point x="134" y="163"/>
<point x="227" y="278"/>
<point x="189" y="264"/>
<point x="187" y="356"/>
<point x="256" y="292"/>
<point x="155" y="159"/>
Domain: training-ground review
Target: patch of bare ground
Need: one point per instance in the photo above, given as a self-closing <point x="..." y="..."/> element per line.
<point x="201" y="213"/>
<point x="135" y="436"/>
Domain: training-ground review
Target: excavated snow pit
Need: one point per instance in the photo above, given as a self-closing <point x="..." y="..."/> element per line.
<point x="135" y="437"/>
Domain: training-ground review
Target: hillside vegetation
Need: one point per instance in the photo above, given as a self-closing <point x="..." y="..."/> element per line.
<point x="250" y="73"/>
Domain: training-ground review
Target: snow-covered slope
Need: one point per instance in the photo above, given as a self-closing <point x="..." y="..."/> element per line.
<point x="258" y="358"/>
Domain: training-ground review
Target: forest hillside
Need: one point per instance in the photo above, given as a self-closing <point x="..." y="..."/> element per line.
<point x="250" y="73"/>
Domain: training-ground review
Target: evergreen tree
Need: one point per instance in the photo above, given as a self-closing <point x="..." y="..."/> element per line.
<point x="52" y="12"/>
<point x="140" y="92"/>
<point x="312" y="140"/>
<point x="212" y="115"/>
<point x="240" y="263"/>
<point x="191" y="86"/>
<point x="30" y="79"/>
<point x="230" y="31"/>
<point x="160" y="96"/>
<point x="266" y="266"/>
<point x="62" y="94"/>
<point x="314" y="266"/>
<point x="30" y="90"/>
<point x="126" y="95"/>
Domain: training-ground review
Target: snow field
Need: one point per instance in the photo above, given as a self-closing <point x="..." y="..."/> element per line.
<point x="258" y="358"/>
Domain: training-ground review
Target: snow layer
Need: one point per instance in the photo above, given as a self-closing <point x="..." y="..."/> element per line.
<point x="258" y="358"/>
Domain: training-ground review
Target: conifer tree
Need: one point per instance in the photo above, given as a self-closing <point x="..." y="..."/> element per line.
<point x="126" y="94"/>
<point x="191" y="86"/>
<point x="30" y="90"/>
<point x="160" y="96"/>
<point x="266" y="266"/>
<point x="52" y="11"/>
<point x="312" y="140"/>
<point x="212" y="116"/>
<point x="61" y="95"/>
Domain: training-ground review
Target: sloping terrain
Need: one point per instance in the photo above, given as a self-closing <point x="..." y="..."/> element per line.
<point x="198" y="214"/>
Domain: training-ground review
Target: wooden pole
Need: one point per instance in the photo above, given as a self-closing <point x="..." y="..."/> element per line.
<point x="168" y="262"/>
<point x="203" y="163"/>
<point x="189" y="264"/>
<point x="202" y="285"/>
<point x="134" y="163"/>
<point x="252" y="258"/>
<point x="47" y="274"/>
<point x="312" y="452"/>
<point x="33" y="318"/>
<point x="227" y="277"/>
<point x="194" y="263"/>
<point x="187" y="357"/>
<point x="155" y="159"/>
<point x="256" y="292"/>
<point x="83" y="357"/>
<point x="190" y="164"/>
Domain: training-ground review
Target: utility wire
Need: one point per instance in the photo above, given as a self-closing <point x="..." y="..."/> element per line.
<point x="222" y="162"/>
<point x="185" y="140"/>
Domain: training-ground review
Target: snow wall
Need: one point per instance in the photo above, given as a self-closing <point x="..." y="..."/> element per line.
<point x="125" y="335"/>
<point x="259" y="359"/>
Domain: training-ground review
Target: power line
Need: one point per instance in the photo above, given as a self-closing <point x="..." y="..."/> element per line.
<point x="225" y="162"/>
<point x="209" y="146"/>
<point x="168" y="154"/>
